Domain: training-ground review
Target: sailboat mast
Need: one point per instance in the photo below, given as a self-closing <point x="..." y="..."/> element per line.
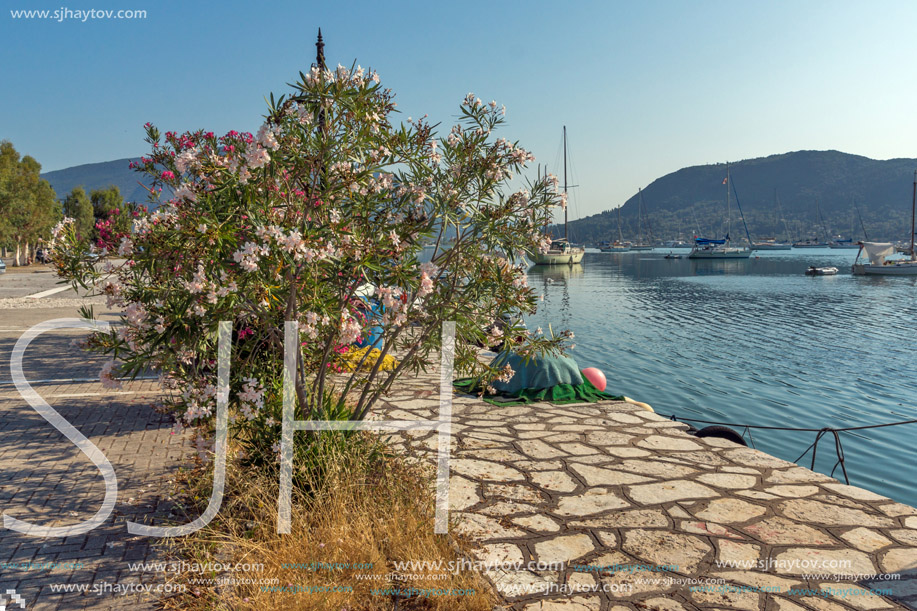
<point x="913" y="215"/>
<point x="860" y="216"/>
<point x="640" y="215"/>
<point x="728" y="211"/>
<point x="821" y="218"/>
<point x="620" y="235"/>
<point x="786" y="225"/>
<point x="565" y="182"/>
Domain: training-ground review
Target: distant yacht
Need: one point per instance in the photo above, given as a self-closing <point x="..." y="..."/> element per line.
<point x="838" y="242"/>
<point x="640" y="244"/>
<point x="614" y="246"/>
<point x="772" y="243"/>
<point x="814" y="242"/>
<point x="810" y="243"/>
<point x="706" y="248"/>
<point x="843" y="244"/>
<point x="618" y="245"/>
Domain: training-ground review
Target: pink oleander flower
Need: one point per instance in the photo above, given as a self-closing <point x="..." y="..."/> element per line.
<point x="106" y="377"/>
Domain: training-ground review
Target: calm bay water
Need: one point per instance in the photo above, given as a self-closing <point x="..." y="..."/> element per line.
<point x="754" y="342"/>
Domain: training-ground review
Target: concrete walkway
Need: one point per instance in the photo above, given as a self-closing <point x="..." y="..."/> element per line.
<point x="624" y="510"/>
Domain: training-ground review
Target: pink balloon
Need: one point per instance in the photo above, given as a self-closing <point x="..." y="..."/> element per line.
<point x="595" y="377"/>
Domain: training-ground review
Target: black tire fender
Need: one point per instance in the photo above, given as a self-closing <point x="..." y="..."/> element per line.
<point x="723" y="432"/>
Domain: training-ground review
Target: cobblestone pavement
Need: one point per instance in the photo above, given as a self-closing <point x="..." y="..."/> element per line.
<point x="608" y="484"/>
<point x="45" y="479"/>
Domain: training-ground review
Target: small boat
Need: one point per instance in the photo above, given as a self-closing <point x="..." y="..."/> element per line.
<point x="673" y="256"/>
<point x="561" y="252"/>
<point x="821" y="271"/>
<point x="877" y="251"/>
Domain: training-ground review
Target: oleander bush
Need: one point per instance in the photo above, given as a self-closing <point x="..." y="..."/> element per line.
<point x="366" y="232"/>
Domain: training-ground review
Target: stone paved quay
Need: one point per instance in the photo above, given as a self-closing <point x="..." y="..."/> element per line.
<point x="613" y="484"/>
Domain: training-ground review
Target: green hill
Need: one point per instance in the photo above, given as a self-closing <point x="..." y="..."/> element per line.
<point x="692" y="201"/>
<point x="98" y="176"/>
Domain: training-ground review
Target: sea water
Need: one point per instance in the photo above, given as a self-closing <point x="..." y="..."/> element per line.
<point x="754" y="341"/>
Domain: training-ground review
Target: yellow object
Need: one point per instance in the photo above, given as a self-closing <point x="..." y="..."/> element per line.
<point x="639" y="404"/>
<point x="351" y="358"/>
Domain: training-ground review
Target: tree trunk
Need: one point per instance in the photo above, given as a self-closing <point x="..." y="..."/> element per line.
<point x="28" y="254"/>
<point x="16" y="262"/>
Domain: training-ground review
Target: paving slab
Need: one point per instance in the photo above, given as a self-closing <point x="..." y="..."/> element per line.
<point x="649" y="517"/>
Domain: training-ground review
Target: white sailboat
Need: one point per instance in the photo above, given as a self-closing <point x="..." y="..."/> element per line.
<point x="840" y="243"/>
<point x="618" y="245"/>
<point x="706" y="248"/>
<point x="640" y="244"/>
<point x="772" y="243"/>
<point x="878" y="251"/>
<point x="561" y="252"/>
<point x="814" y="242"/>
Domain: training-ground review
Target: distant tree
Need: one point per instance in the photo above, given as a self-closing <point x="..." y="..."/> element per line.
<point x="106" y="200"/>
<point x="78" y="206"/>
<point x="28" y="204"/>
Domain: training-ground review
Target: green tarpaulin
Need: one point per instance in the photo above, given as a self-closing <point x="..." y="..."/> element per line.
<point x="559" y="394"/>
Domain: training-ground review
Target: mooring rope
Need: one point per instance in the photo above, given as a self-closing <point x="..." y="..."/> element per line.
<point x="838" y="446"/>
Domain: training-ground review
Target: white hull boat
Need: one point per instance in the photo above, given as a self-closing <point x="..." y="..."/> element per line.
<point x="878" y="251"/>
<point x="561" y="252"/>
<point x="718" y="252"/>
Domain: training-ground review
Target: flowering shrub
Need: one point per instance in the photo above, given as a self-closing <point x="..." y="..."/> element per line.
<point x="116" y="225"/>
<point x="363" y="231"/>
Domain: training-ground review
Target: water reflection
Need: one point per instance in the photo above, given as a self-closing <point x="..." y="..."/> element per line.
<point x="753" y="341"/>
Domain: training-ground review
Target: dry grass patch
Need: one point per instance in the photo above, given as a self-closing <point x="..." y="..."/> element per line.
<point x="367" y="510"/>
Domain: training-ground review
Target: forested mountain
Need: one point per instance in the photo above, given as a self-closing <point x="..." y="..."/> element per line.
<point x="692" y="201"/>
<point x="99" y="176"/>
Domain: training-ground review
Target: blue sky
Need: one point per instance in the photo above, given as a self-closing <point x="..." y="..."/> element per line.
<point x="644" y="87"/>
